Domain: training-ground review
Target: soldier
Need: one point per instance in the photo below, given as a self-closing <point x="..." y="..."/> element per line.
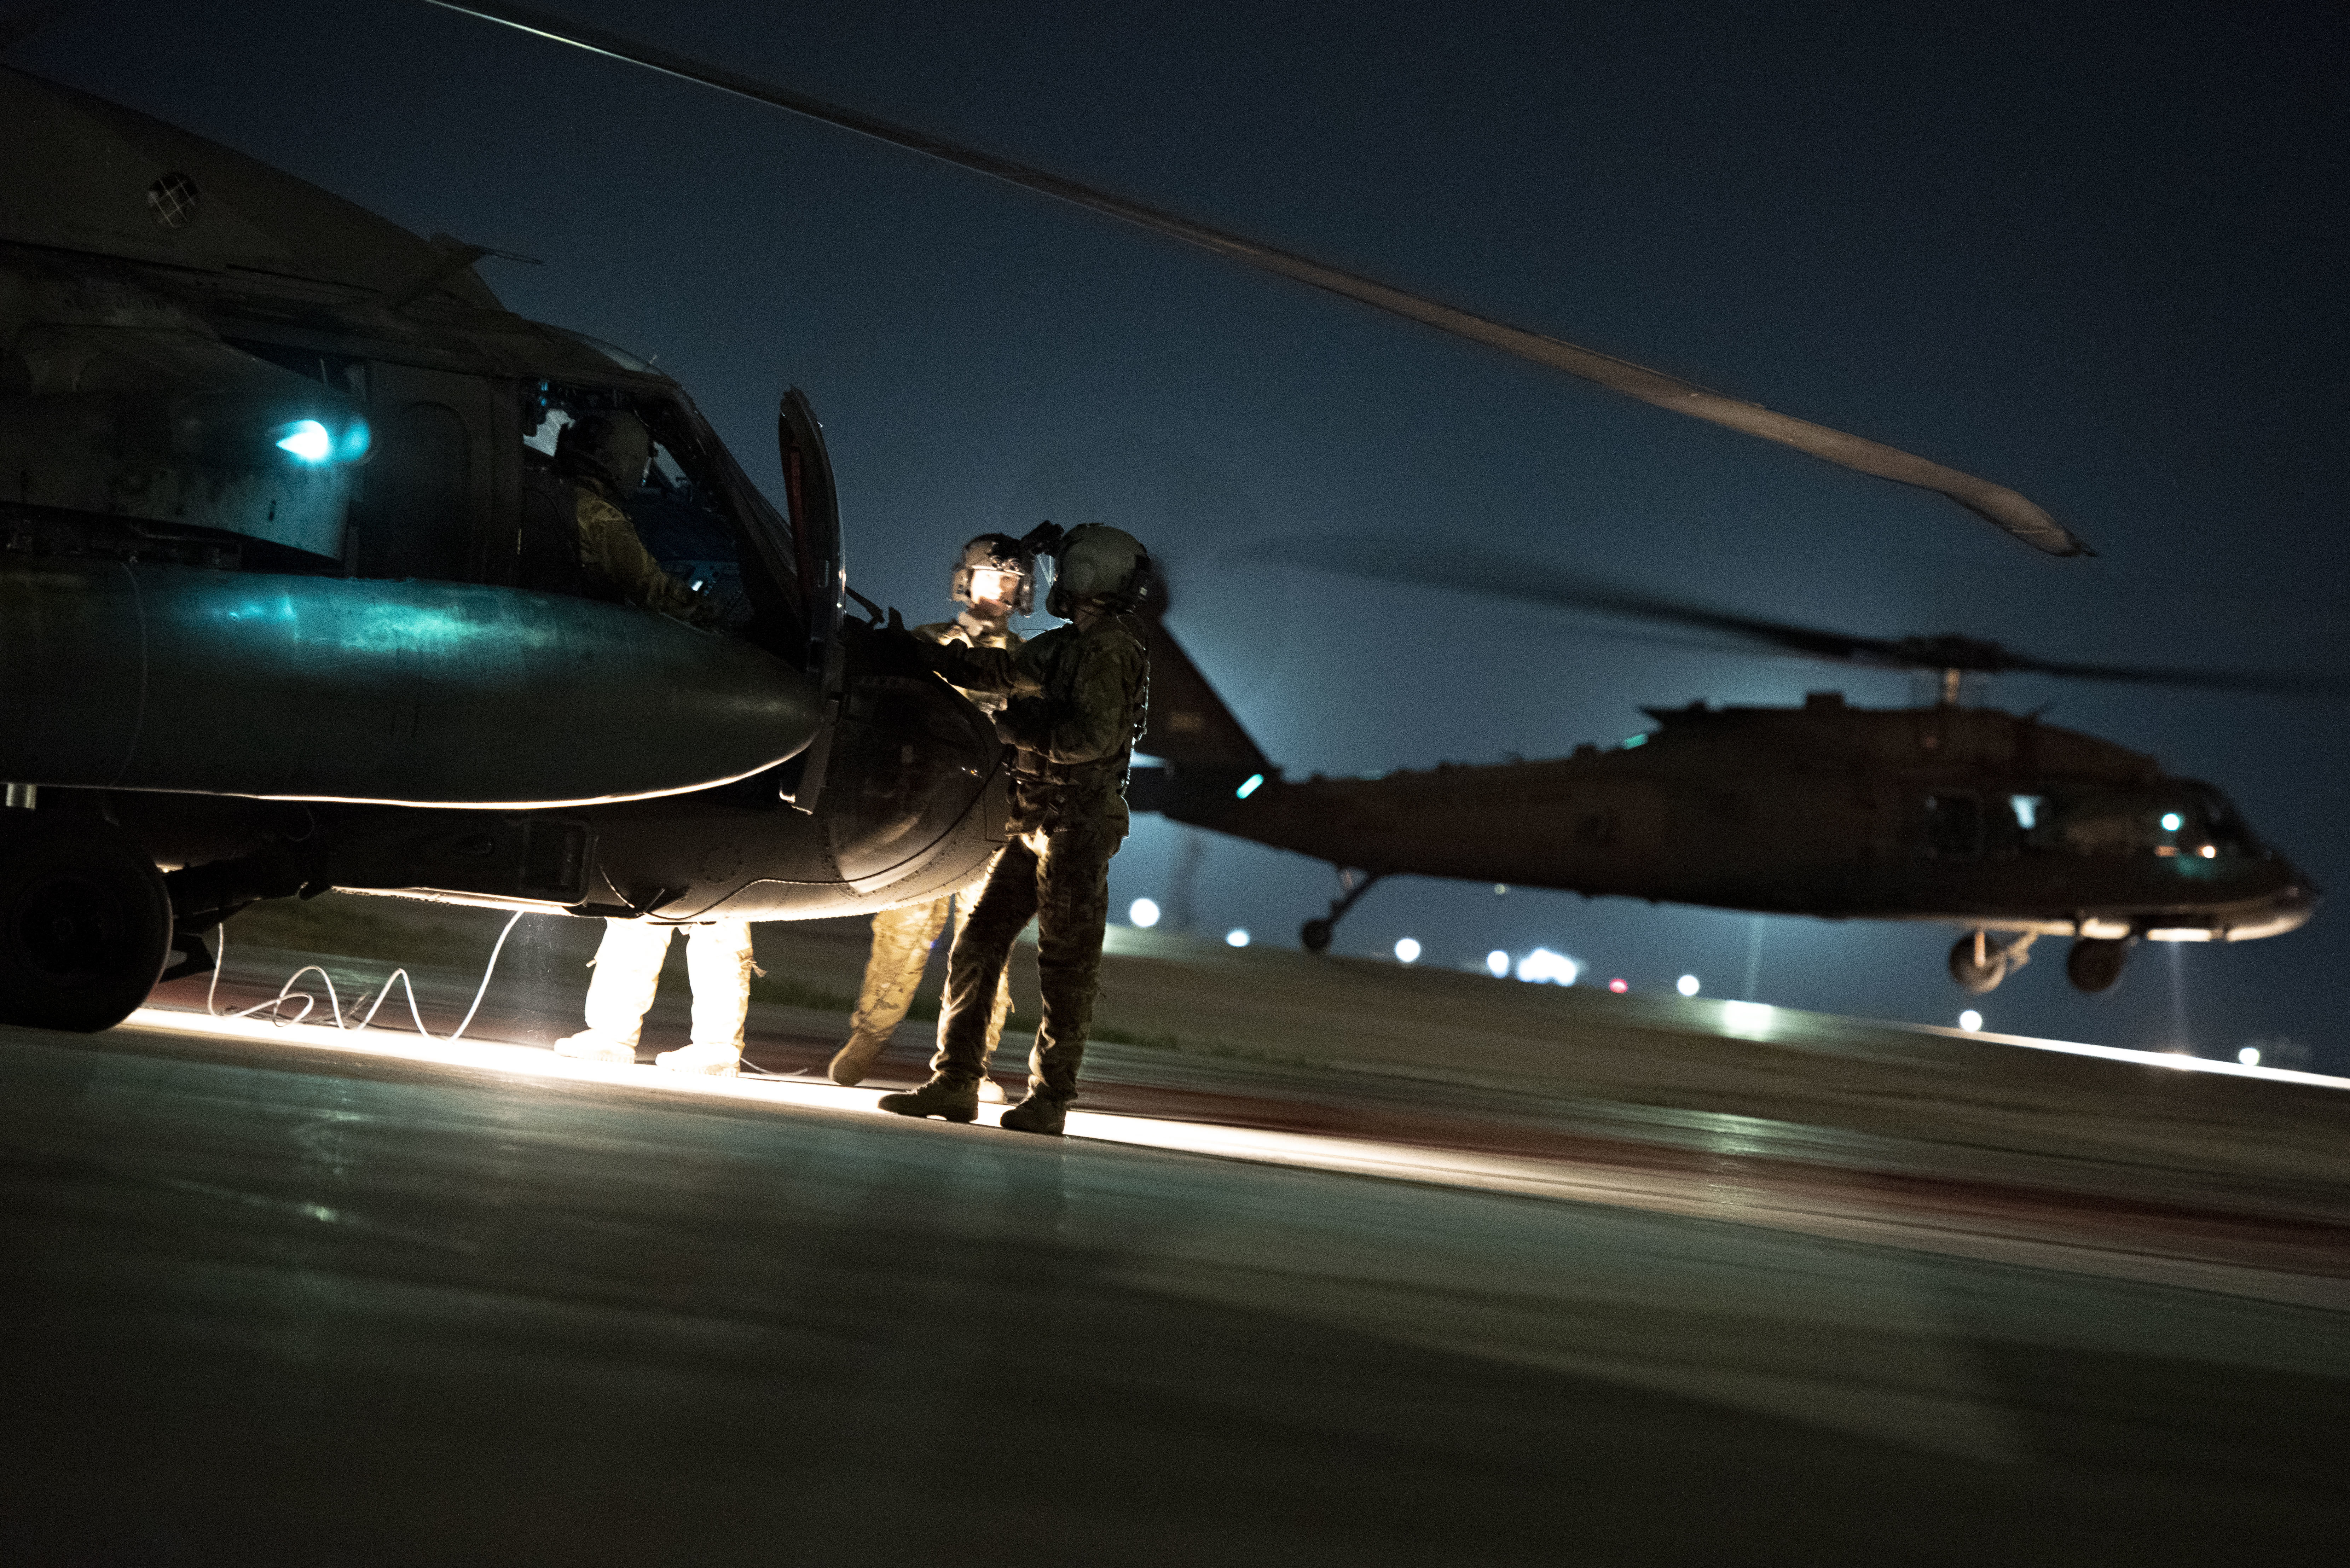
<point x="1078" y="694"/>
<point x="604" y="455"/>
<point x="627" y="972"/>
<point x="994" y="579"/>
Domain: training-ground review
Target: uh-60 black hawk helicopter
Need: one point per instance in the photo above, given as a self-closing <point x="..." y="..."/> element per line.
<point x="1943" y="812"/>
<point x="289" y="600"/>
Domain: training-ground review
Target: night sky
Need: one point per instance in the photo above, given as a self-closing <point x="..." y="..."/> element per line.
<point x="2094" y="253"/>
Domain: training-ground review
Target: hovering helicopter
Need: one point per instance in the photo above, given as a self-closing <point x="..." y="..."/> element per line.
<point x="288" y="602"/>
<point x="1992" y="821"/>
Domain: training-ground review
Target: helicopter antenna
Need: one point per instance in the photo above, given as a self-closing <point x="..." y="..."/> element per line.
<point x="1996" y="503"/>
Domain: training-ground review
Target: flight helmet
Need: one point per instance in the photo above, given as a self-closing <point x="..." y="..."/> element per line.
<point x="614" y="447"/>
<point x="999" y="553"/>
<point x="1098" y="562"/>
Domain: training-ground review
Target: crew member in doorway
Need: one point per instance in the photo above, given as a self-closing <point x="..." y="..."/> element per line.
<point x="993" y="580"/>
<point x="1078" y="697"/>
<point x="605" y="456"/>
<point x="628" y="972"/>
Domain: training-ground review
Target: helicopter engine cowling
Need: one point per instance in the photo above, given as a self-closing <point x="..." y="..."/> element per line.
<point x="149" y="677"/>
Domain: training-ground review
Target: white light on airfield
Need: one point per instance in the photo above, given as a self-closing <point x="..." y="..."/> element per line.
<point x="1143" y="913"/>
<point x="1687" y="985"/>
<point x="1407" y="951"/>
<point x="2249" y="1056"/>
<point x="1237" y="937"/>
<point x="1497" y="964"/>
<point x="1970" y="1020"/>
<point x="1544" y="967"/>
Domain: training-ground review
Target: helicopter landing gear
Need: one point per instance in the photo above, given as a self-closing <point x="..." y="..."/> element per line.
<point x="1317" y="934"/>
<point x="1979" y="964"/>
<point x="2095" y="963"/>
<point x="84" y="923"/>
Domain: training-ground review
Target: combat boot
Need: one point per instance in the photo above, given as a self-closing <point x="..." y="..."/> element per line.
<point x="587" y="1045"/>
<point x="1037" y="1114"/>
<point x="956" y="1099"/>
<point x="717" y="1060"/>
<point x="853" y="1061"/>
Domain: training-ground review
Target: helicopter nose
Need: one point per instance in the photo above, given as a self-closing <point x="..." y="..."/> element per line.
<point x="2288" y="908"/>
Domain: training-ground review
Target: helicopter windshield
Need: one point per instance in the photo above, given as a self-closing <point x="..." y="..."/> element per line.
<point x="696" y="517"/>
<point x="2175" y="819"/>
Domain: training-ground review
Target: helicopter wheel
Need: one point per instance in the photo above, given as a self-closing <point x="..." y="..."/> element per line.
<point x="85" y="922"/>
<point x="2094" y="964"/>
<point x="1975" y="977"/>
<point x="1315" y="935"/>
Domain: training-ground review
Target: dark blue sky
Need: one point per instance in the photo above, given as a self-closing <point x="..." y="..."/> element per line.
<point x="2094" y="253"/>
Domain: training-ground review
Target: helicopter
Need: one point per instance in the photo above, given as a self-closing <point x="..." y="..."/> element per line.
<point x="284" y="596"/>
<point x="1945" y="813"/>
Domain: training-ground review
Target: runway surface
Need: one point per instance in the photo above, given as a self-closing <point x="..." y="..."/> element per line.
<point x="275" y="1298"/>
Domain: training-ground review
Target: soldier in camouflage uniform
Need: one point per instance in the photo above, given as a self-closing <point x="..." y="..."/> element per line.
<point x="993" y="579"/>
<point x="604" y="456"/>
<point x="1079" y="694"/>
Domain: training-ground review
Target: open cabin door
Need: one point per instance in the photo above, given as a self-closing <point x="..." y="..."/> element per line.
<point x="814" y="509"/>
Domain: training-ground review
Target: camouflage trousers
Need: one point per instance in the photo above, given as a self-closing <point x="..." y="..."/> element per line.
<point x="628" y="965"/>
<point x="1061" y="879"/>
<point x="902" y="940"/>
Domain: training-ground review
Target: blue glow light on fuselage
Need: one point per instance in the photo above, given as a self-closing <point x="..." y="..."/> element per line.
<point x="1250" y="787"/>
<point x="308" y="440"/>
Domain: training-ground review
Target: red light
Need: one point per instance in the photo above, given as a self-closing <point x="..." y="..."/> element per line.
<point x="1618" y="987"/>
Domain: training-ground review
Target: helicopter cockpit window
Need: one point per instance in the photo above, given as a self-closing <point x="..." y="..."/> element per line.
<point x="2172" y="822"/>
<point x="682" y="509"/>
<point x="1953" y="826"/>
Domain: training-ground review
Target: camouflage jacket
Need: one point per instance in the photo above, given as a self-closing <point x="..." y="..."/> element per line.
<point x="967" y="630"/>
<point x="1078" y="699"/>
<point x="611" y="552"/>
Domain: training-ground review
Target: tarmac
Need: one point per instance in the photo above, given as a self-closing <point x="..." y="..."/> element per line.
<point x="1427" y="1269"/>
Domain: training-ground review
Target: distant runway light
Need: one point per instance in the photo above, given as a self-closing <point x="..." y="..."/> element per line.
<point x="1619" y="987"/>
<point x="1237" y="937"/>
<point x="1544" y="967"/>
<point x="1407" y="951"/>
<point x="2249" y="1056"/>
<point x="1143" y="913"/>
<point x="1497" y="963"/>
<point x="1970" y="1020"/>
<point x="1501" y="890"/>
<point x="1687" y="985"/>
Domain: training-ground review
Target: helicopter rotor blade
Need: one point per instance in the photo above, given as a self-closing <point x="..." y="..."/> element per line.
<point x="1996" y="503"/>
<point x="1410" y="563"/>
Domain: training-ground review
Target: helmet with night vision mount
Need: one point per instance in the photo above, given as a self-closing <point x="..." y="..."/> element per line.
<point x="613" y="447"/>
<point x="1015" y="568"/>
<point x="1098" y="562"/>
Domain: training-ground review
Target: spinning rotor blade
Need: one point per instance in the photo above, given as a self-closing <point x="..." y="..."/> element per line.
<point x="1412" y="563"/>
<point x="1995" y="503"/>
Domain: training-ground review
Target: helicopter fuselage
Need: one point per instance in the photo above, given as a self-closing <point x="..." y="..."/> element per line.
<point x="1966" y="816"/>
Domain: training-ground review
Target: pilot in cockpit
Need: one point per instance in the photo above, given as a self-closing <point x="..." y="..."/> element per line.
<point x="604" y="455"/>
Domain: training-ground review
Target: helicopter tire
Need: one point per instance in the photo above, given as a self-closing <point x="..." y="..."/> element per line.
<point x="85" y="922"/>
<point x="2094" y="964"/>
<point x="1972" y="976"/>
<point x="1315" y="934"/>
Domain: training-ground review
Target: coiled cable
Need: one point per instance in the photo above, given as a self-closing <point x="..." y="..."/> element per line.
<point x="276" y="1005"/>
